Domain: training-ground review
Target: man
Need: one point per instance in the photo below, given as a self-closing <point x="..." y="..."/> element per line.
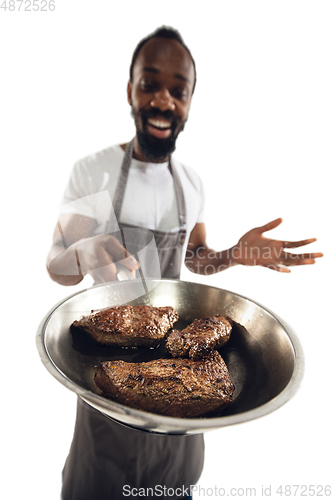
<point x="155" y="222"/>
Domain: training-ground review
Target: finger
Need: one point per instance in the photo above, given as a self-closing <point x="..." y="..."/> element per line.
<point x="288" y="255"/>
<point x="296" y="244"/>
<point x="292" y="259"/>
<point x="302" y="262"/>
<point x="119" y="253"/>
<point x="104" y="274"/>
<point x="282" y="269"/>
<point x="133" y="274"/>
<point x="89" y="261"/>
<point x="310" y="255"/>
<point x="270" y="225"/>
<point x="278" y="268"/>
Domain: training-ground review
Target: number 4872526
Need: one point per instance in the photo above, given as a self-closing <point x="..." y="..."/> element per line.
<point x="27" y="5"/>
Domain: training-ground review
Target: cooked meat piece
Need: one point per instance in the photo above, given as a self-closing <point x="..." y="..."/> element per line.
<point x="172" y="387"/>
<point x="129" y="326"/>
<point x="199" y="338"/>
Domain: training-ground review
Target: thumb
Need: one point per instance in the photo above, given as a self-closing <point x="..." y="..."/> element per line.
<point x="270" y="225"/>
<point x="130" y="262"/>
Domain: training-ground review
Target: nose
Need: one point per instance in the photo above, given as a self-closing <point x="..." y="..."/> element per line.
<point x="163" y="100"/>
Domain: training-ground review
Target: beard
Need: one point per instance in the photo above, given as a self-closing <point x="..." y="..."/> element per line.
<point x="154" y="148"/>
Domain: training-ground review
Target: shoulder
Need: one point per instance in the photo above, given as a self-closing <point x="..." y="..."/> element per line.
<point x="102" y="160"/>
<point x="94" y="173"/>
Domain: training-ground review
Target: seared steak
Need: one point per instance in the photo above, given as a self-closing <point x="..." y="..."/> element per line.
<point x="129" y="326"/>
<point x="172" y="387"/>
<point x="199" y="338"/>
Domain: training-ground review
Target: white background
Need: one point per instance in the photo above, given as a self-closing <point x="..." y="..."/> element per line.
<point x="259" y="135"/>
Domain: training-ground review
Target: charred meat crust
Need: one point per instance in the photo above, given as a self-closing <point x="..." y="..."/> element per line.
<point x="171" y="387"/>
<point x="129" y="326"/>
<point x="199" y="338"/>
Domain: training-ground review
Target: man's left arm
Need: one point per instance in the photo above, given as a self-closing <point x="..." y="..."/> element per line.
<point x="252" y="249"/>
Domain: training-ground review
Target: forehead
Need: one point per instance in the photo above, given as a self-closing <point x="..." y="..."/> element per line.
<point x="166" y="57"/>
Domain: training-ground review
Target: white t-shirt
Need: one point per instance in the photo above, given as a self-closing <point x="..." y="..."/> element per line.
<point x="149" y="199"/>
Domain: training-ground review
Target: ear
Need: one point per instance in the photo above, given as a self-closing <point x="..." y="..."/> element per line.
<point x="129" y="93"/>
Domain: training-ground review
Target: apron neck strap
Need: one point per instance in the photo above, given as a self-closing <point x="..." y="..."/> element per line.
<point x="122" y="181"/>
<point x="180" y="202"/>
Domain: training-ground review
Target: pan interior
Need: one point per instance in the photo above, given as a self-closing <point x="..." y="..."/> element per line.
<point x="260" y="355"/>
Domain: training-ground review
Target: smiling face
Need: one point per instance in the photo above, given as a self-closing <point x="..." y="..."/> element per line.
<point x="160" y="95"/>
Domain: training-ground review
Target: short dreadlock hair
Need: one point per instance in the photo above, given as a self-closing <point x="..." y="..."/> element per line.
<point x="162" y="32"/>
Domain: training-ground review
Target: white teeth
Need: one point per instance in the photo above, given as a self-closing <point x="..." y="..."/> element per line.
<point x="159" y="124"/>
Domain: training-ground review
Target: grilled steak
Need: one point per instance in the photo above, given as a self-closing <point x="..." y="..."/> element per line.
<point x="199" y="338"/>
<point x="172" y="387"/>
<point x="129" y="326"/>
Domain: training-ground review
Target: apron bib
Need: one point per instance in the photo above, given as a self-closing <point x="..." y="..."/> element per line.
<point x="107" y="459"/>
<point x="159" y="253"/>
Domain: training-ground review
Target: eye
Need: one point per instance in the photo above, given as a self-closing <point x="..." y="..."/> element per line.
<point x="180" y="93"/>
<point x="148" y="85"/>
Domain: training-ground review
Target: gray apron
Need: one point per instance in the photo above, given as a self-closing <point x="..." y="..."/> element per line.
<point x="107" y="460"/>
<point x="160" y="253"/>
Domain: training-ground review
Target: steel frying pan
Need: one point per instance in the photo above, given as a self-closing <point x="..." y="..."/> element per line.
<point x="264" y="356"/>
